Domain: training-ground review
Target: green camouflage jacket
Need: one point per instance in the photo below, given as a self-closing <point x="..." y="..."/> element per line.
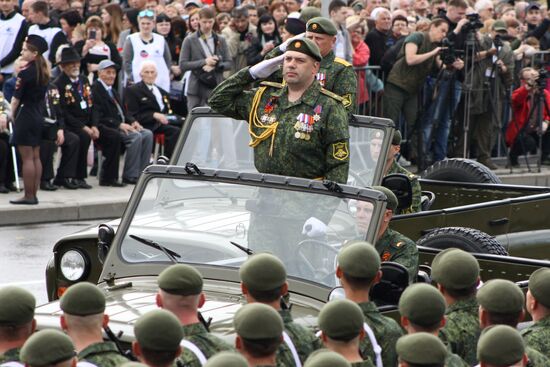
<point x="208" y="344"/>
<point x="386" y="332"/>
<point x="11" y="355"/>
<point x="393" y="246"/>
<point x="304" y="341"/>
<point x="335" y="74"/>
<point x="307" y="138"/>
<point x="452" y="359"/>
<point x="537" y="336"/>
<point x="416" y="204"/>
<point x="536" y="358"/>
<point x="462" y="329"/>
<point x="103" y="354"/>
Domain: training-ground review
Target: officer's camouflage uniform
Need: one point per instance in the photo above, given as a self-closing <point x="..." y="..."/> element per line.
<point x="393" y="246"/>
<point x="335" y="74"/>
<point x="208" y="344"/>
<point x="103" y="354"/>
<point x="462" y="329"/>
<point x="536" y="358"/>
<point x="278" y="151"/>
<point x="416" y="190"/>
<point x="386" y="331"/>
<point x="537" y="336"/>
<point x="304" y="341"/>
<point x="11" y="355"/>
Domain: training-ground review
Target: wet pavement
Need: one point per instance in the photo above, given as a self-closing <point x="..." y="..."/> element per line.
<point x="25" y="251"/>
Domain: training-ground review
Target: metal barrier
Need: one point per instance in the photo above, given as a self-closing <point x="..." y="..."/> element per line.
<point x="370" y="84"/>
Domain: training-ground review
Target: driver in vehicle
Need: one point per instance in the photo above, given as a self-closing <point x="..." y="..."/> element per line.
<point x="391" y="245"/>
<point x="297" y="128"/>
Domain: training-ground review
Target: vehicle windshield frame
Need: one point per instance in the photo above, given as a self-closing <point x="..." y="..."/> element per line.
<point x="116" y="266"/>
<point x="356" y="121"/>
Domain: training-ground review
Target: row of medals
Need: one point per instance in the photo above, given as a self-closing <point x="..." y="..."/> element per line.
<point x="304" y="129"/>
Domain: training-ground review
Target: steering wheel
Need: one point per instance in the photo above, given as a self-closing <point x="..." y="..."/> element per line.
<point x="308" y="270"/>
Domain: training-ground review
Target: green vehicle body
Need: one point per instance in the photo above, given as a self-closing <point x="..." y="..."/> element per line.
<point x="516" y="215"/>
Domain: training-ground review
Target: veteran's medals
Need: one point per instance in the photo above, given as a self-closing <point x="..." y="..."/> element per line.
<point x="321" y="78"/>
<point x="268" y="109"/>
<point x="304" y="125"/>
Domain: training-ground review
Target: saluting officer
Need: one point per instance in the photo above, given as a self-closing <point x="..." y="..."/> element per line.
<point x="16" y="321"/>
<point x="422" y="309"/>
<point x="537" y="335"/>
<point x="259" y="330"/>
<point x="297" y="128"/>
<point x="83" y="318"/>
<point x="263" y="280"/>
<point x="359" y="270"/>
<point x="335" y="74"/>
<point x="501" y="302"/>
<point x="181" y="293"/>
<point x="341" y="323"/>
<point x="459" y="288"/>
<point x="392" y="245"/>
<point x="158" y="337"/>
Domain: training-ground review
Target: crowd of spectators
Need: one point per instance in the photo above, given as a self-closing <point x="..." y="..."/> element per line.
<point x="428" y="65"/>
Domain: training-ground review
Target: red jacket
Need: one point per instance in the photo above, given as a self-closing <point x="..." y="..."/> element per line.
<point x="520" y="113"/>
<point x="361" y="55"/>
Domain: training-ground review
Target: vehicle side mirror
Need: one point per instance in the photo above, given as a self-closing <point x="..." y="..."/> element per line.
<point x="401" y="186"/>
<point x="336" y="293"/>
<point x="105" y="235"/>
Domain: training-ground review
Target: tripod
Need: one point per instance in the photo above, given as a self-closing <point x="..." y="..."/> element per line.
<point x="469" y="61"/>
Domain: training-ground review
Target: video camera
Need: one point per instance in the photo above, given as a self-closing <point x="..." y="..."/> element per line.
<point x="541" y="81"/>
<point x="474" y="23"/>
<point x="449" y="53"/>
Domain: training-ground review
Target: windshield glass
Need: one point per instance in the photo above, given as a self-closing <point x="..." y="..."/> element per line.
<point x="206" y="222"/>
<point x="221" y="142"/>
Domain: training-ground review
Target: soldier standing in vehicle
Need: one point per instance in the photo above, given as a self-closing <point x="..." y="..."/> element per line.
<point x="263" y="280"/>
<point x="422" y="309"/>
<point x="501" y="302"/>
<point x="456" y="274"/>
<point x="392" y="245"/>
<point x="180" y="292"/>
<point x="335" y="74"/>
<point x="259" y="330"/>
<point x="16" y="321"/>
<point x="358" y="271"/>
<point x="83" y="319"/>
<point x="297" y="128"/>
<point x="393" y="167"/>
<point x="341" y="323"/>
<point x="537" y="336"/>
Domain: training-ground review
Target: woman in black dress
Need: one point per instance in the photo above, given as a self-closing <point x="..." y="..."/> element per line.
<point x="30" y="89"/>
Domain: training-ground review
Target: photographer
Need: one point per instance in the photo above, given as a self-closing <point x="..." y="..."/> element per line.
<point x="522" y="133"/>
<point x="414" y="63"/>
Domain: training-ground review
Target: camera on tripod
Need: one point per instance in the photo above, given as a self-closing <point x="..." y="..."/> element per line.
<point x="449" y="53"/>
<point x="474" y="23"/>
<point x="541" y="81"/>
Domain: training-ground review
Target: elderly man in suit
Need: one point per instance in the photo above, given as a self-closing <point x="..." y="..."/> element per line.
<point x="150" y="105"/>
<point x="204" y="53"/>
<point x="110" y="113"/>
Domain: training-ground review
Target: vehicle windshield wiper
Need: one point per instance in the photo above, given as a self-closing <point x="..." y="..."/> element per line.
<point x="242" y="248"/>
<point x="172" y="255"/>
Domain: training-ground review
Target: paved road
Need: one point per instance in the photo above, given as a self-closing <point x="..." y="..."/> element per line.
<point x="25" y="251"/>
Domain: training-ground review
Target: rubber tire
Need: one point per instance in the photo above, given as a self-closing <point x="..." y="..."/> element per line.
<point x="467" y="239"/>
<point x="460" y="170"/>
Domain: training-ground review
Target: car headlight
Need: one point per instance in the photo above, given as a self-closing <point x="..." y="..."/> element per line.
<point x="73" y="265"/>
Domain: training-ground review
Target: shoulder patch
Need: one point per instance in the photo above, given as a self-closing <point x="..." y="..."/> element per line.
<point x="272" y="84"/>
<point x="333" y="95"/>
<point x="341" y="61"/>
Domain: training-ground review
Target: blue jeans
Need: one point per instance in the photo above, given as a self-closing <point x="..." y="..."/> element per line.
<point x="438" y="117"/>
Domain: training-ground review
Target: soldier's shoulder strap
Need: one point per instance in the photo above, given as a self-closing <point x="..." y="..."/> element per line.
<point x="333" y="95"/>
<point x="342" y="61"/>
<point x="272" y="84"/>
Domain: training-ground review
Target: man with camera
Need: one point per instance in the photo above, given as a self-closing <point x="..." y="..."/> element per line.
<point x="525" y="130"/>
